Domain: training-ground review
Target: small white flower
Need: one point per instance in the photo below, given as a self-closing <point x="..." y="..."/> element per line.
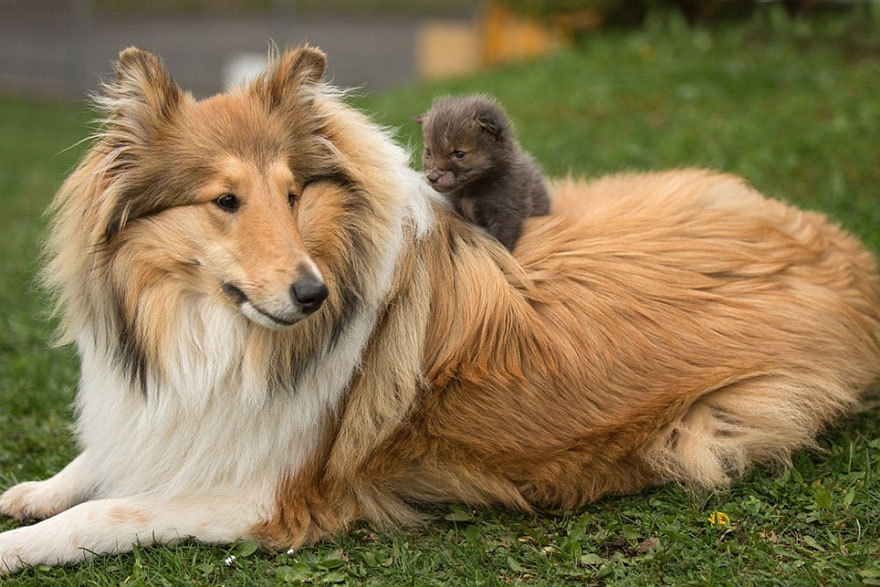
<point x="291" y="551"/>
<point x="229" y="560"/>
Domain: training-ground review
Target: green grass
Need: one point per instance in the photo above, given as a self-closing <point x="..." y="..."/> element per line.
<point x="792" y="107"/>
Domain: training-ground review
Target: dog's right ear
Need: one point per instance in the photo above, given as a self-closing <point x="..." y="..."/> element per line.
<point x="141" y="97"/>
<point x="138" y="103"/>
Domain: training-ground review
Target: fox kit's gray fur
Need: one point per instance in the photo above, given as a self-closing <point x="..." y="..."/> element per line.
<point x="472" y="157"/>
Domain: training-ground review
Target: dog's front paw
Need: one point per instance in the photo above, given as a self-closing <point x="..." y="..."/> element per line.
<point x="33" y="500"/>
<point x="11" y="553"/>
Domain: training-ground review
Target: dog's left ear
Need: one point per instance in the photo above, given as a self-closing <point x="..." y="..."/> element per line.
<point x="306" y="64"/>
<point x="289" y="72"/>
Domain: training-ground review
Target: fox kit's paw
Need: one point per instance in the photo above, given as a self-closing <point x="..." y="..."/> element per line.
<point x="34" y="500"/>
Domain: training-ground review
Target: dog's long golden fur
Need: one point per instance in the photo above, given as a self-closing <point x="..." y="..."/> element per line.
<point x="668" y="326"/>
<point x="656" y="327"/>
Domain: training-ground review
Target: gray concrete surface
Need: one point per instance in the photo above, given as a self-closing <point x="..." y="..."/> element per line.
<point x="49" y="49"/>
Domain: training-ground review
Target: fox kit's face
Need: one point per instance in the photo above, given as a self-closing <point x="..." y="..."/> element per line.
<point x="216" y="195"/>
<point x="452" y="164"/>
<point x="457" y="150"/>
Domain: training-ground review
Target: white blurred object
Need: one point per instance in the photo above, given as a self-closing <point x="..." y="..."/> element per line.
<point x="242" y="68"/>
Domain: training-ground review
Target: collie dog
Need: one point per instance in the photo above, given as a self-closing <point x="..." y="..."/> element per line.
<point x="282" y="330"/>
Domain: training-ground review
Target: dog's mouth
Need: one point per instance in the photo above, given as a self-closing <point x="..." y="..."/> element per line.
<point x="255" y="312"/>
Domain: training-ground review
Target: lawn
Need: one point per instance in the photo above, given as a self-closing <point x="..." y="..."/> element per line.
<point x="793" y="107"/>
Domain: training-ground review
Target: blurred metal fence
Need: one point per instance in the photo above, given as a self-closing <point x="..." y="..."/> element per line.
<point x="55" y="48"/>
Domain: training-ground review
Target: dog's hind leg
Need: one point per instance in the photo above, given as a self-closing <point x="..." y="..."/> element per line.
<point x="43" y="499"/>
<point x="114" y="525"/>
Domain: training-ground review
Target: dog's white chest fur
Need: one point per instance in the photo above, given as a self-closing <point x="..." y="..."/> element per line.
<point x="214" y="420"/>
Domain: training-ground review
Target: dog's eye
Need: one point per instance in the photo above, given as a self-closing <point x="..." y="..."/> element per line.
<point x="458" y="154"/>
<point x="228" y="202"/>
<point x="291" y="199"/>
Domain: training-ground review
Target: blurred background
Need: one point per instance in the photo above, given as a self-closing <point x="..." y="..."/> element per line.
<point x="60" y="48"/>
<point x="783" y="93"/>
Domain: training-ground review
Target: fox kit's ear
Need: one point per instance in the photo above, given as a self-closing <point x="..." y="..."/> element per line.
<point x="490" y="125"/>
<point x="140" y="98"/>
<point x="289" y="72"/>
<point x="420" y="119"/>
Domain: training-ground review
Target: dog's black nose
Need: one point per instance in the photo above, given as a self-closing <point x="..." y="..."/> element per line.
<point x="310" y="292"/>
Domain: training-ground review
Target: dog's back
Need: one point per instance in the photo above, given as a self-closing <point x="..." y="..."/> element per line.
<point x="670" y="326"/>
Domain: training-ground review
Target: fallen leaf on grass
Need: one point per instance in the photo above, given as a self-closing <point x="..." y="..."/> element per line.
<point x="247" y="548"/>
<point x="458" y="515"/>
<point x="811" y="542"/>
<point x="591" y="558"/>
<point x="822" y="496"/>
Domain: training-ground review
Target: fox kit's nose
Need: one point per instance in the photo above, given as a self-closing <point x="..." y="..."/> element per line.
<point x="433" y="177"/>
<point x="310" y="292"/>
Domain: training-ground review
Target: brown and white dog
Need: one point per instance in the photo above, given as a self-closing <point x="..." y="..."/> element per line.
<point x="283" y="330"/>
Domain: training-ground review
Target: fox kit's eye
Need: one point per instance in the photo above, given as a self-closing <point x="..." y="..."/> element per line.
<point x="291" y="199"/>
<point x="427" y="152"/>
<point x="228" y="202"/>
<point x="458" y="154"/>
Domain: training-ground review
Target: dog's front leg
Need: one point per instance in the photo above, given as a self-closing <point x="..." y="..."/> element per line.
<point x="43" y="499"/>
<point x="114" y="525"/>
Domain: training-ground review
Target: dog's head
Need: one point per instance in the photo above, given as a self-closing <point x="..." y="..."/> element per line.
<point x="220" y="193"/>
<point x="267" y="218"/>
